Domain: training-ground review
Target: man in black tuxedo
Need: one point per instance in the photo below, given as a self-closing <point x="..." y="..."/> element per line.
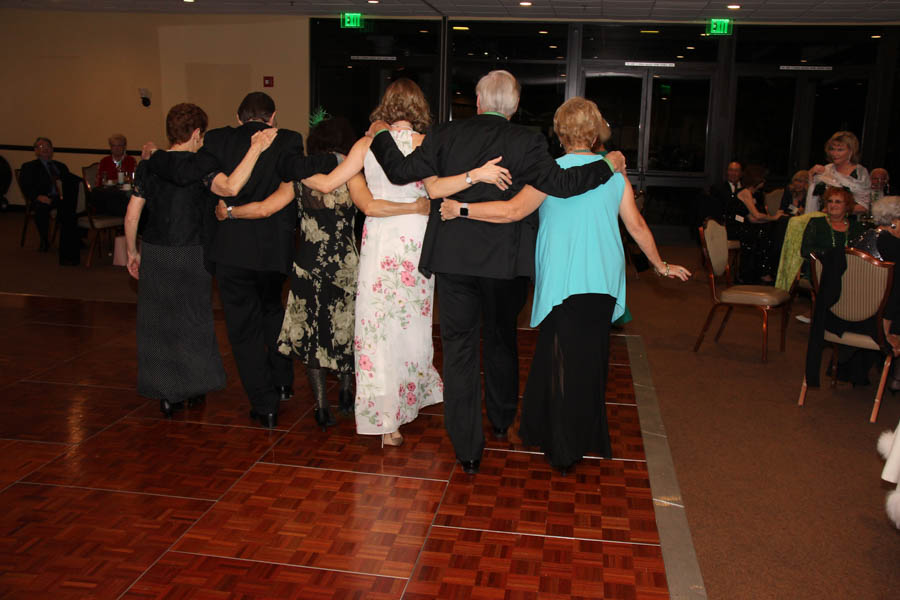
<point x="483" y="268"/>
<point x="724" y="193"/>
<point x="252" y="256"/>
<point x="48" y="184"/>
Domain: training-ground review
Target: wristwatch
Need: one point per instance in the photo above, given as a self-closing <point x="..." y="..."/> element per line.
<point x="468" y="178"/>
<point x="230" y="215"/>
<point x="464" y="209"/>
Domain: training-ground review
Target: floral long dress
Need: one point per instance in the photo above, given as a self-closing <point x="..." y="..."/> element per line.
<point x="318" y="319"/>
<point x="395" y="374"/>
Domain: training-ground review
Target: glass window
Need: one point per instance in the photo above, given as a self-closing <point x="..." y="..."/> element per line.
<point x="351" y="68"/>
<point x="678" y="124"/>
<point x="668" y="209"/>
<point x="763" y="117"/>
<point x="840" y="106"/>
<point x="892" y="160"/>
<point x="658" y="43"/>
<point x="536" y="59"/>
<point x="619" y="100"/>
<point x="780" y="45"/>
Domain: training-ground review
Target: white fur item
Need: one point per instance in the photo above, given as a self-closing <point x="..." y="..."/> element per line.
<point x="892" y="505"/>
<point x="885" y="440"/>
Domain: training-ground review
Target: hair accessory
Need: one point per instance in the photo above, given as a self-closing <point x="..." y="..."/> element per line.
<point x="317" y="116"/>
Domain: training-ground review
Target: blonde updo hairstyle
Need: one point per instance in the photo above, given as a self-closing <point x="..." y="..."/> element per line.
<point x="578" y="123"/>
<point x="403" y="100"/>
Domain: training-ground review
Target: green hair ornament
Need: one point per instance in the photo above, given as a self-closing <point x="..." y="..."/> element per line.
<point x="317" y="116"/>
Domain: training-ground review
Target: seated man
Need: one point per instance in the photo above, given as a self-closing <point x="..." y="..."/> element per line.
<point x="880" y="179"/>
<point x="47" y="184"/>
<point x="117" y="162"/>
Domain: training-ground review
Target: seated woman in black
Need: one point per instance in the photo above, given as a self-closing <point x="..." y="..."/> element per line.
<point x="752" y="225"/>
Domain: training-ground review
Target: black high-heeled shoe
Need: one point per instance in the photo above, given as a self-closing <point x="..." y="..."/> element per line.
<point x="167" y="408"/>
<point x="346" y="397"/>
<point x="324" y="418"/>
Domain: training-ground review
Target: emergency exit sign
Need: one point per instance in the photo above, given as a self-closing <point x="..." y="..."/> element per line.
<point x="719" y="27"/>
<point x="351" y="21"/>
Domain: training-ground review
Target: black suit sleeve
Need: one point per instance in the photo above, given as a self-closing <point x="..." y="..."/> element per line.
<point x="29" y="181"/>
<point x="550" y="178"/>
<point x="182" y="168"/>
<point x="293" y="165"/>
<point x="404" y="169"/>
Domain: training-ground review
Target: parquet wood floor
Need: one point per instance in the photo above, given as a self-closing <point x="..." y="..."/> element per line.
<point x="101" y="497"/>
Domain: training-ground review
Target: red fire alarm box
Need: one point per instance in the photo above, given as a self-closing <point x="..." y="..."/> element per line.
<point x="268" y="81"/>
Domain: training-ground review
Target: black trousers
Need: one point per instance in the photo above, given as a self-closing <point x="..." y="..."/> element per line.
<point x="253" y="317"/>
<point x="472" y="308"/>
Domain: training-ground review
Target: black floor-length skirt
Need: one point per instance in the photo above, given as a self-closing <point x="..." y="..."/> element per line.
<point x="178" y="356"/>
<point x="564" y="406"/>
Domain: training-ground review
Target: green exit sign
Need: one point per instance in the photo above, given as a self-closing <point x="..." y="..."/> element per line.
<point x="351" y="21"/>
<point x="719" y="27"/>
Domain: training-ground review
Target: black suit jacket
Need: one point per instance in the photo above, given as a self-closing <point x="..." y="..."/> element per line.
<point x="256" y="244"/>
<point x="35" y="180"/>
<point x="477" y="248"/>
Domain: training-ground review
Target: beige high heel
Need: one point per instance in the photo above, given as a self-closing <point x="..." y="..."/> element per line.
<point x="392" y="439"/>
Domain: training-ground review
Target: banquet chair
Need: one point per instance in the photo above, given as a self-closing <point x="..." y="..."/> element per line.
<point x="98" y="225"/>
<point x="762" y="297"/>
<point x="29" y="213"/>
<point x="773" y="200"/>
<point x="865" y="288"/>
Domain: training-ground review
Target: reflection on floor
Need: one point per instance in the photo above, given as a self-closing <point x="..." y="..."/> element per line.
<point x="100" y="497"/>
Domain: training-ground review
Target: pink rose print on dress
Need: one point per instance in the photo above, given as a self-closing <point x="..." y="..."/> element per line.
<point x="408" y="266"/>
<point x="388" y="263"/>
<point x="410" y="398"/>
<point x="411" y="386"/>
<point x="407" y="279"/>
<point x="426" y="308"/>
<point x="365" y="363"/>
<point x="376" y="287"/>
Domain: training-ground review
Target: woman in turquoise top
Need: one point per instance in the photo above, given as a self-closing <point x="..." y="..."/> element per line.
<point x="579" y="291"/>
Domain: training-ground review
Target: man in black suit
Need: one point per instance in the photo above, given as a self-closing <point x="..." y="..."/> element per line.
<point x="48" y="184"/>
<point x="483" y="268"/>
<point x="724" y="193"/>
<point x="252" y="257"/>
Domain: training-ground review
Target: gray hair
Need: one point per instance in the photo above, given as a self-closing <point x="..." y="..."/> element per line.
<point x="499" y="92"/>
<point x="886" y="210"/>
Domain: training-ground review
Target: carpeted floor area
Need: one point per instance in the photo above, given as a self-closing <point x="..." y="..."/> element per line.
<point x="782" y="501"/>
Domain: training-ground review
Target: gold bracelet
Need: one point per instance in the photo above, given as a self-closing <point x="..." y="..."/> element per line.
<point x="660" y="273"/>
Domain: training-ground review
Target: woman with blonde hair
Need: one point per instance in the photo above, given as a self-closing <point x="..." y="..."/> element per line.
<point x="844" y="170"/>
<point x="579" y="290"/>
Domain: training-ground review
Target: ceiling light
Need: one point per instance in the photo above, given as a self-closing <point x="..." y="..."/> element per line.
<point x="551" y="46"/>
<point x="734" y="7"/>
<point x="485" y="53"/>
<point x="680" y="56"/>
<point x="803" y="60"/>
<point x="563" y="75"/>
<point x="649" y="31"/>
<point x="542" y="32"/>
<point x="460" y="28"/>
<point x="373" y="1"/>
<point x="188" y="1"/>
<point x="689" y="48"/>
<point x="524" y="3"/>
<point x="876" y="37"/>
<point x="348" y="66"/>
<point x="423" y="31"/>
<point x="560" y="57"/>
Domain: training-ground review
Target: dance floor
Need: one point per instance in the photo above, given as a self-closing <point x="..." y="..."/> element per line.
<point x="101" y="497"/>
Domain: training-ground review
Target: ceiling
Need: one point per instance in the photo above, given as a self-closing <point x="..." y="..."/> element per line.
<point x="794" y="12"/>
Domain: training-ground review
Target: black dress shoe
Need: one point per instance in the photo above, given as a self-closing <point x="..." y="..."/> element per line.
<point x="267" y="420"/>
<point x="167" y="408"/>
<point x="470" y="466"/>
<point x="324" y="418"/>
<point x="285" y="392"/>
<point x="196" y="400"/>
<point x="346" y="402"/>
<point x="500" y="433"/>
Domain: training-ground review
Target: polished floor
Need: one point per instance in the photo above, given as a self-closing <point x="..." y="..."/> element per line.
<point x="101" y="497"/>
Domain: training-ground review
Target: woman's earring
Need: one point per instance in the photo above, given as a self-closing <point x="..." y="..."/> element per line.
<point x="893" y="226"/>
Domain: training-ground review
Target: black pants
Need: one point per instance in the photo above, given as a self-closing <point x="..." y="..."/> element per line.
<point x="253" y="317"/>
<point x="65" y="215"/>
<point x="470" y="308"/>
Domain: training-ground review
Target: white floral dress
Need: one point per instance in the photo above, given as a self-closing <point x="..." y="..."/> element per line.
<point x="395" y="374"/>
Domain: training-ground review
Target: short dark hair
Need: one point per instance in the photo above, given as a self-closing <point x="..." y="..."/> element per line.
<point x="41" y="139"/>
<point x="331" y="135"/>
<point x="182" y="120"/>
<point x="256" y="106"/>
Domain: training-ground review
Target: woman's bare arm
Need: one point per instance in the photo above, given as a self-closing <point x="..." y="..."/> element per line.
<point x="277" y="200"/>
<point x="489" y="172"/>
<point x="637" y="227"/>
<point x="499" y="211"/>
<point x="230" y="185"/>
<point x="341" y="174"/>
<point x="132" y="218"/>
<point x="376" y="207"/>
